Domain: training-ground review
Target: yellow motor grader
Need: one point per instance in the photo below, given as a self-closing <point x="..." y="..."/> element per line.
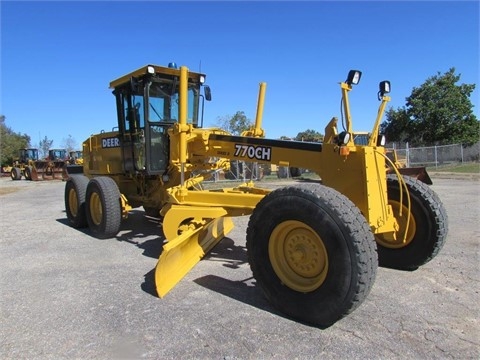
<point x="313" y="248"/>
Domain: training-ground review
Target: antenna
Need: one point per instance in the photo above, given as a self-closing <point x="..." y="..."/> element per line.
<point x="200" y="67"/>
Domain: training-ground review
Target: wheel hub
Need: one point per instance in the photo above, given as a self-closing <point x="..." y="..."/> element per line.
<point x="302" y="253"/>
<point x="96" y="210"/>
<point x="73" y="203"/>
<point x="298" y="256"/>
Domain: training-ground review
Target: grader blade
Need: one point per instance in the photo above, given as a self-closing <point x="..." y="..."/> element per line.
<point x="182" y="253"/>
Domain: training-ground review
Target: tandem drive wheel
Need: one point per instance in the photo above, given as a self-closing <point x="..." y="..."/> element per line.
<point x="75" y="190"/>
<point x="312" y="253"/>
<point x="103" y="208"/>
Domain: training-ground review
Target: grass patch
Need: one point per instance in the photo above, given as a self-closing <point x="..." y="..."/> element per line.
<point x="467" y="168"/>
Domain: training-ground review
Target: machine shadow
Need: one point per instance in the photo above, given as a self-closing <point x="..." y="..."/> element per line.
<point x="146" y="233"/>
<point x="225" y="252"/>
<point x="142" y="231"/>
<point x="233" y="256"/>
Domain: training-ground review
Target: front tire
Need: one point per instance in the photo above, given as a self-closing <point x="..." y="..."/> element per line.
<point x="312" y="253"/>
<point x="103" y="207"/>
<point x="75" y="190"/>
<point x="28" y="172"/>
<point x="427" y="226"/>
<point x="16" y="173"/>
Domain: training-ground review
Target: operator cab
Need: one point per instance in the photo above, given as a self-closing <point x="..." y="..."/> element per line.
<point x="147" y="106"/>
<point x="57" y="154"/>
<point x="28" y="154"/>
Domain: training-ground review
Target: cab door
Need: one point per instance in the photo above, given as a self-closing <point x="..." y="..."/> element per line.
<point x="161" y="115"/>
<point x="131" y="121"/>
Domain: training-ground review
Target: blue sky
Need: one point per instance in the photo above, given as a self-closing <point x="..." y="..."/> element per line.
<point x="57" y="58"/>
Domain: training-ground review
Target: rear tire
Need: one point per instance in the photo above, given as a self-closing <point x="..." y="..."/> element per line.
<point x="75" y="190"/>
<point x="428" y="226"/>
<point x="312" y="253"/>
<point x="103" y="207"/>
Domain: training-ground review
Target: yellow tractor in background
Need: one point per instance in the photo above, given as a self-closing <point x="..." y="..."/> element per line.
<point x="51" y="167"/>
<point x="74" y="164"/>
<point x="313" y="248"/>
<point x="31" y="167"/>
<point x="23" y="165"/>
<point x="75" y="157"/>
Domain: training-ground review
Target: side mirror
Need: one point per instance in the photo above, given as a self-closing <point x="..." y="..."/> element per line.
<point x="208" y="93"/>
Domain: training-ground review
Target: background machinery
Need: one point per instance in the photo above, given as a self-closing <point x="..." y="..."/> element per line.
<point x="23" y="165"/>
<point x="52" y="167"/>
<point x="313" y="248"/>
<point x="31" y="167"/>
<point x="74" y="164"/>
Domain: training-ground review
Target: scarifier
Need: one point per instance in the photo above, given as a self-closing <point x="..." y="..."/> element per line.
<point x="313" y="248"/>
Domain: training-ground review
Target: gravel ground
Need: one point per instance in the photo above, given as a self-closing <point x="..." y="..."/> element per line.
<point x="67" y="295"/>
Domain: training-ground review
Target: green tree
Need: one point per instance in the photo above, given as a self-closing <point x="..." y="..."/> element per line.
<point x="439" y="111"/>
<point x="10" y="143"/>
<point x="397" y="126"/>
<point x="235" y="124"/>
<point x="309" y="135"/>
<point x="44" y="146"/>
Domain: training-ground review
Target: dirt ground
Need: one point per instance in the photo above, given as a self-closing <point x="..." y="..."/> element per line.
<point x="67" y="295"/>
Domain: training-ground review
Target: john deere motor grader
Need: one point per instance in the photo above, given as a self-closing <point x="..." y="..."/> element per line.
<point x="312" y="247"/>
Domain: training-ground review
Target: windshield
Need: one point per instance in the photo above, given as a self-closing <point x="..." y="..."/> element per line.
<point x="57" y="154"/>
<point x="32" y="154"/>
<point x="164" y="102"/>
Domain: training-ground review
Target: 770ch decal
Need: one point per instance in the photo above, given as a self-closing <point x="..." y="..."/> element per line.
<point x="253" y="152"/>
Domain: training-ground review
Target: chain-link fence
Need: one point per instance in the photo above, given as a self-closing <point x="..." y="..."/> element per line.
<point x="241" y="171"/>
<point x="439" y="155"/>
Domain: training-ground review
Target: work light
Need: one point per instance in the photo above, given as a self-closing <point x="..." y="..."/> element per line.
<point x="353" y="77"/>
